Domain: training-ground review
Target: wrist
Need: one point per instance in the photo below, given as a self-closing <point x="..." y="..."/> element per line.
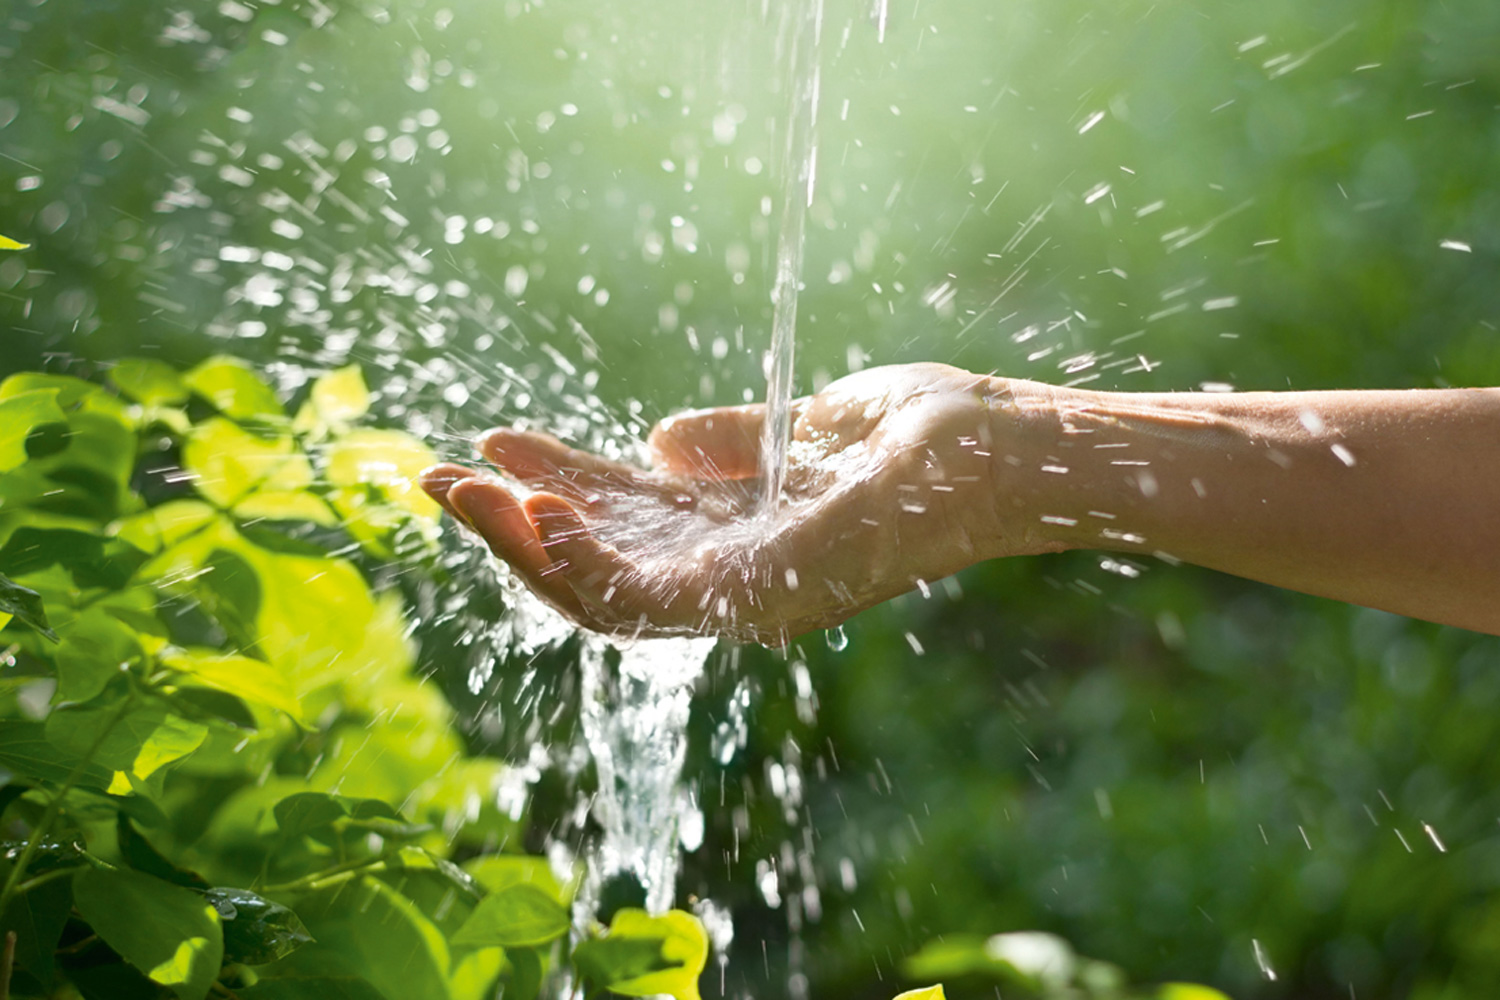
<point x="1039" y="492"/>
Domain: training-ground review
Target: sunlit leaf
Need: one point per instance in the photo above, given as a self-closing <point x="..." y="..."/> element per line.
<point x="341" y="397"/>
<point x="233" y="389"/>
<point x="171" y="934"/>
<point x="925" y="993"/>
<point x="165" y="525"/>
<point x="252" y="680"/>
<point x="173" y="739"/>
<point x="24" y="605"/>
<point x="229" y="463"/>
<point x="19" y="416"/>
<point x="518" y="916"/>
<point x="1187" y="991"/>
<point x="149" y="381"/>
<point x="385" y="461"/>
<point x="643" y="956"/>
<point x="1045" y="958"/>
<point x="6" y="243"/>
<point x="285" y="505"/>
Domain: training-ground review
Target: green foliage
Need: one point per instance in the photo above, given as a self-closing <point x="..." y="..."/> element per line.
<point x="171" y="934"/>
<point x="643" y="956"/>
<point x="190" y="650"/>
<point x="1041" y="965"/>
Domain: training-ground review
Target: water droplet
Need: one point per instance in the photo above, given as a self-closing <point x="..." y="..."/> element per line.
<point x="838" y="641"/>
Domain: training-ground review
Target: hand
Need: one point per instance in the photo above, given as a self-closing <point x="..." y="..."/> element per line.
<point x="890" y="481"/>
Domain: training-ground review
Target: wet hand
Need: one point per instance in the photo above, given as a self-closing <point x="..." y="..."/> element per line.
<point x="891" y="480"/>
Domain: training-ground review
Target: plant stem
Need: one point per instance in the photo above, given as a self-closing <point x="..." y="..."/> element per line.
<point x="55" y="806"/>
<point x="43" y="879"/>
<point x="313" y="880"/>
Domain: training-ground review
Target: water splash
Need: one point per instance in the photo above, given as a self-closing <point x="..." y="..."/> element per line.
<point x="635" y="714"/>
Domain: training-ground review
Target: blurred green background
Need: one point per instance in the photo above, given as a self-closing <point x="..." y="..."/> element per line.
<point x="562" y="213"/>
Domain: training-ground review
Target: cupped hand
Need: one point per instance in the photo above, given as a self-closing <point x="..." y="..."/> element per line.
<point x="891" y="480"/>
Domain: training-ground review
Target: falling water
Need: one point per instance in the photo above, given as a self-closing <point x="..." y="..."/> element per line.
<point x="797" y="53"/>
<point x="635" y="711"/>
<point x="635" y="716"/>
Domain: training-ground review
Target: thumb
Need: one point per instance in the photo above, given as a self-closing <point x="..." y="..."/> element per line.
<point x="720" y="443"/>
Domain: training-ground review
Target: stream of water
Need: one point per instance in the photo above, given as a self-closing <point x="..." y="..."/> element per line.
<point x="636" y="697"/>
<point x="798" y="40"/>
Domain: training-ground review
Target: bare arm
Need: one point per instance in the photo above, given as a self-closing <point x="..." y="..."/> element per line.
<point x="1389" y="499"/>
<point x="908" y="473"/>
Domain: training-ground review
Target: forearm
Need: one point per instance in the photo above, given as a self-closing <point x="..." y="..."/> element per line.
<point x="1383" y="498"/>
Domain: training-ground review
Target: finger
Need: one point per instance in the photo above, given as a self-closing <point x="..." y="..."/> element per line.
<point x="437" y="480"/>
<point x="596" y="571"/>
<point x="498" y="517"/>
<point x="542" y="460"/>
<point x="720" y="443"/>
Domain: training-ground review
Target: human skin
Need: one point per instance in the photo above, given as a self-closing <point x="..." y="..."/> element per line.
<point x="908" y="473"/>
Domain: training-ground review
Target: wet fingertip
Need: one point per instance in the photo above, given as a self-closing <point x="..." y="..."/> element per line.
<point x="438" y="479"/>
<point x="554" y="518"/>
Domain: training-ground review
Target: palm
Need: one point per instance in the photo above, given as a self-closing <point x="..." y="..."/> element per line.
<point x="873" y="481"/>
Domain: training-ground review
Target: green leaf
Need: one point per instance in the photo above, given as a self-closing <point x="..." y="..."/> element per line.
<point x="385" y="462"/>
<point x="25" y="749"/>
<point x="925" y="993"/>
<point x="441" y="890"/>
<point x="525" y="981"/>
<point x="306" y="812"/>
<point x="643" y="956"/>
<point x="166" y="525"/>
<point x="137" y="852"/>
<point x="94" y="561"/>
<point x="495" y="872"/>
<point x="519" y="916"/>
<point x="171" y="934"/>
<point x="1187" y="991"/>
<point x="364" y="927"/>
<point x="96" y="647"/>
<point x="74" y="729"/>
<point x="340" y="397"/>
<point x="24" y="605"/>
<point x="208" y="704"/>
<point x="19" y="416"/>
<point x="148" y="381"/>
<point x="1033" y="959"/>
<point x="311" y="988"/>
<point x="256" y="930"/>
<point x="231" y="590"/>
<point x="286" y="505"/>
<point x="251" y="680"/>
<point x="230" y="463"/>
<point x="233" y="389"/>
<point x="37" y="916"/>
